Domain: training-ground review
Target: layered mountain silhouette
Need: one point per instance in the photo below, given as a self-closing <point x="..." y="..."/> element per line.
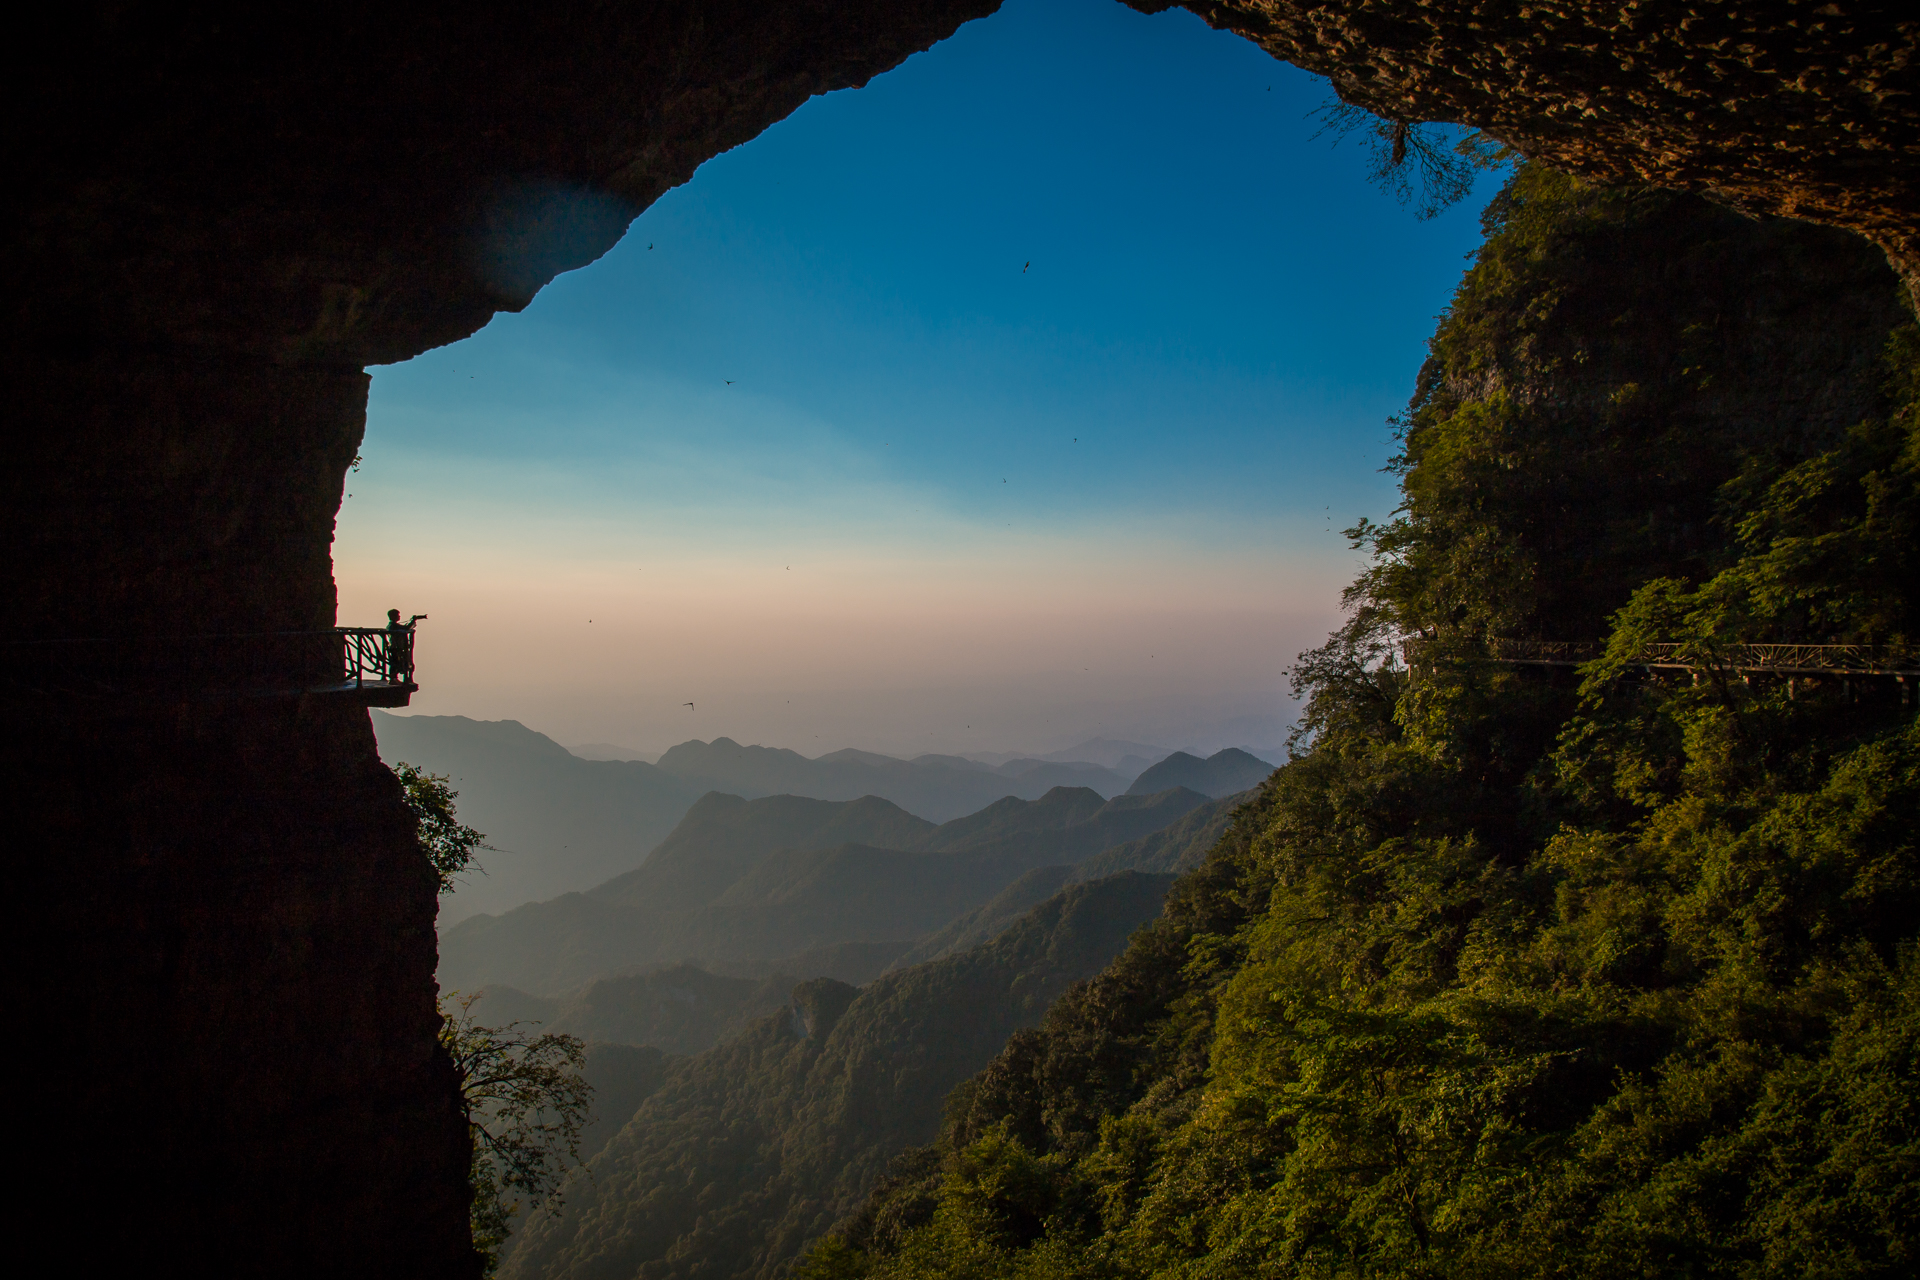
<point x="733" y="1159"/>
<point x="741" y="884"/>
<point x="933" y="786"/>
<point x="1181" y="846"/>
<point x="1118" y="754"/>
<point x="558" y="822"/>
<point x="986" y="922"/>
<point x="555" y="821"/>
<point x="1221" y="774"/>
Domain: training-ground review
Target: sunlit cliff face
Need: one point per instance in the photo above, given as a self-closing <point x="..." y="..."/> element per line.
<point x="1799" y="108"/>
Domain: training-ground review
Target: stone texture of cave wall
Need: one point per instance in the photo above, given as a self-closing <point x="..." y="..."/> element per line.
<point x="344" y="190"/>
<point x="361" y="187"/>
<point x="1804" y="108"/>
<point x="219" y="214"/>
<point x="226" y="942"/>
<point x="220" y="217"/>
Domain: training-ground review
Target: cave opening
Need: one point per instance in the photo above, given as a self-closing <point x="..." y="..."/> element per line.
<point x="223" y="216"/>
<point x="917" y="401"/>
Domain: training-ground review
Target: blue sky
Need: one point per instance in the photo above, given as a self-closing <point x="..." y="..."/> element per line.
<point x="1015" y="397"/>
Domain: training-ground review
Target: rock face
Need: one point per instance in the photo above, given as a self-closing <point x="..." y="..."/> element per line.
<point x="359" y="190"/>
<point x="219" y="214"/>
<point x="1794" y="107"/>
<point x="226" y="952"/>
<point x="226" y="936"/>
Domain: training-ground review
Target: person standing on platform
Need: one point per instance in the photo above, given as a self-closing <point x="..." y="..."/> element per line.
<point x="400" y="647"/>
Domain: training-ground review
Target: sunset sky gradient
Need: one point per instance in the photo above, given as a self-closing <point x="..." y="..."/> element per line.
<point x="1015" y="398"/>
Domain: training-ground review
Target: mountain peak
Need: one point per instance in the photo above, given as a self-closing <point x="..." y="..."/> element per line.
<point x="1221" y="774"/>
<point x="508" y="734"/>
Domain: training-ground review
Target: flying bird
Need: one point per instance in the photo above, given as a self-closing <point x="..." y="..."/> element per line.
<point x="686" y="704"/>
<point x="1023" y="269"/>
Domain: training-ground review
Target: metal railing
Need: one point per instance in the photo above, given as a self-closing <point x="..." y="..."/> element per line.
<point x="1557" y="653"/>
<point x="1784" y="659"/>
<point x="369" y="661"/>
<point x="376" y="655"/>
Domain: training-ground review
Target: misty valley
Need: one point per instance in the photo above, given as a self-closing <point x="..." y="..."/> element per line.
<point x="802" y="980"/>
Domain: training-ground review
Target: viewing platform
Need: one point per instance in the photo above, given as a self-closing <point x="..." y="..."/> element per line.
<point x="376" y="667"/>
<point x="370" y="666"/>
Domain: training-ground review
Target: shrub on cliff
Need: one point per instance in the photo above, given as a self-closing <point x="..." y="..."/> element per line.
<point x="526" y="1105"/>
<point x="449" y="845"/>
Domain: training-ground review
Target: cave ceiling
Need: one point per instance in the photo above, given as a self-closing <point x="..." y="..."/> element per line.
<point x="357" y="185"/>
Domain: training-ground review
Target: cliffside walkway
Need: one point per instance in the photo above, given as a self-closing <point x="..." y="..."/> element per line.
<point x="376" y="666"/>
<point x="1793" y="661"/>
<point x="372" y="666"/>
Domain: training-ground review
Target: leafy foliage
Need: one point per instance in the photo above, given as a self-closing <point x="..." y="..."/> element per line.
<point x="526" y="1104"/>
<point x="1513" y="974"/>
<point x="1439" y="162"/>
<point x="744" y="1153"/>
<point x="449" y="846"/>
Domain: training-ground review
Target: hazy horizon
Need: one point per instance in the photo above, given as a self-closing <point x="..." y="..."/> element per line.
<point x="1262" y="734"/>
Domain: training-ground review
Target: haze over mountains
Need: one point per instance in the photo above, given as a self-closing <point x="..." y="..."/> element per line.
<point x="837" y="941"/>
<point x="559" y="822"/>
<point x="934" y="787"/>
<point x="730" y="1161"/>
<point x="681" y="1009"/>
<point x="555" y="821"/>
<point x="781" y="883"/>
<point x="1220" y="774"/>
<point x="781" y="965"/>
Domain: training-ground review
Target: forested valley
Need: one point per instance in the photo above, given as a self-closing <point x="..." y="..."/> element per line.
<point x="729" y="1109"/>
<point x="1515" y="970"/>
<point x="1565" y="943"/>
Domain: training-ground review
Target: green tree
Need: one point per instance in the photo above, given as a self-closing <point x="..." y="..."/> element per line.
<point x="1506" y="973"/>
<point x="449" y="846"/>
<point x="526" y="1104"/>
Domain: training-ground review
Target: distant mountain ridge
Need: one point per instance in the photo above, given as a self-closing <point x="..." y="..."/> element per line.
<point x="983" y="924"/>
<point x="1221" y="774"/>
<point x="1111" y="753"/>
<point x="1178" y="847"/>
<point x="559" y="822"/>
<point x="935" y="787"/>
<point x="722" y="837"/>
<point x="745" y="881"/>
<point x="681" y="1010"/>
<point x="611" y="751"/>
<point x="555" y="821"/>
